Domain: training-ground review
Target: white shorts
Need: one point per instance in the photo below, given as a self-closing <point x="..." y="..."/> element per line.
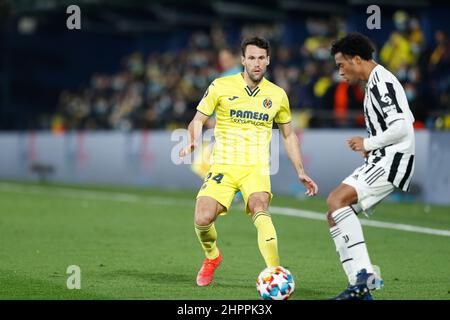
<point x="371" y="184"/>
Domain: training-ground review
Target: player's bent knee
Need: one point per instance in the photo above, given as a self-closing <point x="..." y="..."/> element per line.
<point x="258" y="202"/>
<point x="330" y="199"/>
<point x="334" y="203"/>
<point x="204" y="219"/>
<point x="258" y="205"/>
<point x="205" y="212"/>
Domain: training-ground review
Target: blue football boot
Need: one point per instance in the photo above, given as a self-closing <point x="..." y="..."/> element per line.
<point x="350" y="294"/>
<point x="365" y="282"/>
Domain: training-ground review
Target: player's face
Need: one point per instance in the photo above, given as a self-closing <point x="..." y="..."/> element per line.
<point x="255" y="62"/>
<point x="347" y="67"/>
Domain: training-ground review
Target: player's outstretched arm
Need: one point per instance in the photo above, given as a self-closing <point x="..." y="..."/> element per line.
<point x="292" y="146"/>
<point x="194" y="131"/>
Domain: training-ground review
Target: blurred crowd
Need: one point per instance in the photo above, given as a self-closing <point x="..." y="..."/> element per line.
<point x="161" y="90"/>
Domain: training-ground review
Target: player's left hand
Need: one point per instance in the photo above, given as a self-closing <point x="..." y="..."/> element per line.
<point x="356" y="143"/>
<point x="311" y="186"/>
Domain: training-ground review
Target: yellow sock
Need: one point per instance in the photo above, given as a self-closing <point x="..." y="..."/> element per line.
<point x="207" y="235"/>
<point x="267" y="238"/>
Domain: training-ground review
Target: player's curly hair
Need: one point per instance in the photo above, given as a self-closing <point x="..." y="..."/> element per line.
<point x="255" y="41"/>
<point x="353" y="44"/>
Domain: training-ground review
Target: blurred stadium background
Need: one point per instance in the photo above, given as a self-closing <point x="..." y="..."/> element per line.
<point x="98" y="106"/>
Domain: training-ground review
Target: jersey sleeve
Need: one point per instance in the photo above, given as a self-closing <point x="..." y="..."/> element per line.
<point x="396" y="131"/>
<point x="284" y="114"/>
<point x="209" y="101"/>
<point x="386" y="97"/>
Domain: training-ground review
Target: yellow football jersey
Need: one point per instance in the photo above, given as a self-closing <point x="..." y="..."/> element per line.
<point x="244" y="118"/>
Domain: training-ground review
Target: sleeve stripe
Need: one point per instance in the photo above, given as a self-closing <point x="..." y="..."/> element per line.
<point x="391" y="90"/>
<point x="373" y="131"/>
<point x="383" y="115"/>
<point x="283" y="122"/>
<point x="380" y="119"/>
<point x="208" y="115"/>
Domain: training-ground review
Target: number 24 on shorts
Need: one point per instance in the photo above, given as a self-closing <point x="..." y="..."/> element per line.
<point x="217" y="178"/>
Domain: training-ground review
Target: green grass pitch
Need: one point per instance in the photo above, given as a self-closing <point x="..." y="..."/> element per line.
<point x="135" y="243"/>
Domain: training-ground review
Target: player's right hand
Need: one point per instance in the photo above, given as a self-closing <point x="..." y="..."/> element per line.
<point x="186" y="150"/>
<point x="311" y="186"/>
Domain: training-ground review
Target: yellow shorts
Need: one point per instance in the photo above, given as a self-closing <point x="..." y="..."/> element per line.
<point x="223" y="181"/>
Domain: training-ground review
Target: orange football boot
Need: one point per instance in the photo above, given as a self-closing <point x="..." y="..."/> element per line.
<point x="206" y="274"/>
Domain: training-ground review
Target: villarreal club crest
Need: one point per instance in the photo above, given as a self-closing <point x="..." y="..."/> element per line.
<point x="267" y="103"/>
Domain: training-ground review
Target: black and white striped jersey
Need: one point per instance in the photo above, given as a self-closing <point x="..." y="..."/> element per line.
<point x="389" y="122"/>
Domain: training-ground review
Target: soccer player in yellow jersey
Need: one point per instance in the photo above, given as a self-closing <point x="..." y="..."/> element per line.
<point x="246" y="105"/>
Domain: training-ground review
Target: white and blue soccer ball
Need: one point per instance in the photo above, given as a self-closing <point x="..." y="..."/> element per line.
<point x="275" y="283"/>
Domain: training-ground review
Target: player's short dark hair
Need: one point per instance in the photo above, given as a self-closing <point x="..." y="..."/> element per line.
<point x="255" y="41"/>
<point x="353" y="44"/>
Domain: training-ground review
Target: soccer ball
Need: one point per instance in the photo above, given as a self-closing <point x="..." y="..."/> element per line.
<point x="275" y="283"/>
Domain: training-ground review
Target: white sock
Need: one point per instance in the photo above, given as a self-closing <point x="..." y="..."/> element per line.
<point x="352" y="234"/>
<point x="344" y="257"/>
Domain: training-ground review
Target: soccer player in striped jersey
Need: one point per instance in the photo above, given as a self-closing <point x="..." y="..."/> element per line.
<point x="246" y="106"/>
<point x="389" y="160"/>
